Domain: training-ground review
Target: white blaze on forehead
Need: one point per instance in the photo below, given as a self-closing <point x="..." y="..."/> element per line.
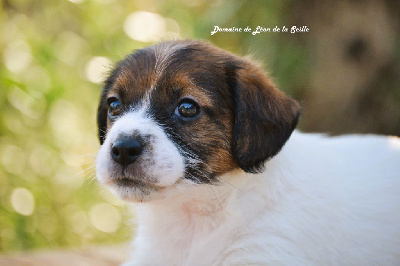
<point x="145" y="103"/>
<point x="163" y="52"/>
<point x="160" y="162"/>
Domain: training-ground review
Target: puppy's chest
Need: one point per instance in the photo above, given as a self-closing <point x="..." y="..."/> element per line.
<point x="196" y="247"/>
<point x="195" y="239"/>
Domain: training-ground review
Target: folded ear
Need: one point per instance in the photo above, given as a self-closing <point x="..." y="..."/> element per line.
<point x="265" y="118"/>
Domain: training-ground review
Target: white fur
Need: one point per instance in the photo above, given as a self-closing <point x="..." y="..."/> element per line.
<point x="320" y="201"/>
<point x="162" y="164"/>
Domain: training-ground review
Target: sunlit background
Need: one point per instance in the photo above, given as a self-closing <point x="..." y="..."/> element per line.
<point x="54" y="55"/>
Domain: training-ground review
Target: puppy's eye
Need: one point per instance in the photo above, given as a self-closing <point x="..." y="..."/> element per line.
<point x="187" y="109"/>
<point x="115" y="107"/>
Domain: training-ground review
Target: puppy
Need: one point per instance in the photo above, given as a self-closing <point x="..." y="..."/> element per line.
<point x="195" y="137"/>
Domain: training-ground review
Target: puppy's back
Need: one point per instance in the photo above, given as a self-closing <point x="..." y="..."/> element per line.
<point x="338" y="200"/>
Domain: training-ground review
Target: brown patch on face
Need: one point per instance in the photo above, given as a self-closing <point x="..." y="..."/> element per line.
<point x="207" y="139"/>
<point x="213" y="128"/>
<point x="221" y="160"/>
<point x="243" y="120"/>
<point x="135" y="76"/>
<point x="191" y="90"/>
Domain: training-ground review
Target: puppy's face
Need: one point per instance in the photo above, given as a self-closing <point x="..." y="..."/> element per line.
<point x="183" y="113"/>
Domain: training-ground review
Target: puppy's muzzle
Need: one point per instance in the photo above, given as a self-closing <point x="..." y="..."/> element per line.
<point x="126" y="150"/>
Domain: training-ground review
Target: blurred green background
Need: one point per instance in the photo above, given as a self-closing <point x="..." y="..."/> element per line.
<point x="54" y="55"/>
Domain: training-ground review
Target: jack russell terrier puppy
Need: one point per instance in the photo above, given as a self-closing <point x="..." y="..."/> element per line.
<point x="195" y="137"/>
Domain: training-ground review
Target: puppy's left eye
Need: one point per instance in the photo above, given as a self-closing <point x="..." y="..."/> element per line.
<point x="187" y="109"/>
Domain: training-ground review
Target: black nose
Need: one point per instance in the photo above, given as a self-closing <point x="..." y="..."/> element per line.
<point x="126" y="150"/>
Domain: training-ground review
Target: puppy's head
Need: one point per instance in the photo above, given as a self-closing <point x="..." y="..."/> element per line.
<point x="182" y="113"/>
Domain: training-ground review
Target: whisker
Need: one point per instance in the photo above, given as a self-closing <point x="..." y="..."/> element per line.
<point x="92" y="177"/>
<point x="86" y="170"/>
<point x="103" y="131"/>
<point x="216" y="197"/>
<point x="79" y="155"/>
<point x="220" y="178"/>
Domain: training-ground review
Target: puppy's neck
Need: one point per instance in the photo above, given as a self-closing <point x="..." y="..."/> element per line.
<point x="199" y="217"/>
<point x="205" y="201"/>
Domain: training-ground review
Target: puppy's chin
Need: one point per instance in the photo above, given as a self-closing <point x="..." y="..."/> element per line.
<point x="135" y="184"/>
<point x="136" y="191"/>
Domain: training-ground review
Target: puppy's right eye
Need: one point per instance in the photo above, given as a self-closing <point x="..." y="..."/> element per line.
<point x="115" y="107"/>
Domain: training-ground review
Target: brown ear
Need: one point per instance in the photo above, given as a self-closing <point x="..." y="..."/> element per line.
<point x="265" y="118"/>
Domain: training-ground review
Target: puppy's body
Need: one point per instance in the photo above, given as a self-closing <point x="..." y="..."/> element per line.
<point x="195" y="137"/>
<point x="320" y="201"/>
